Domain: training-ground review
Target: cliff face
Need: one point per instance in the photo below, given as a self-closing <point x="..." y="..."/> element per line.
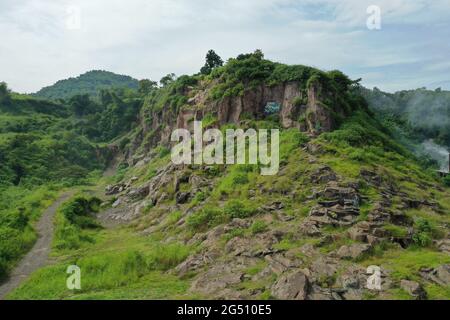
<point x="301" y="109"/>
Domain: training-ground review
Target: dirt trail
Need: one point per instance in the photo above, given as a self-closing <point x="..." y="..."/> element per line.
<point x="37" y="257"/>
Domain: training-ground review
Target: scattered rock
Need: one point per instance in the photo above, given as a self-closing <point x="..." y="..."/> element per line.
<point x="318" y="293"/>
<point x="310" y="229"/>
<point x="323" y="267"/>
<point x="291" y="287"/>
<point x="439" y="275"/>
<point x="195" y="262"/>
<point x="414" y="289"/>
<point x="353" y="251"/>
<point x="182" y="197"/>
<point x="274" y="206"/>
<point x="323" y="174"/>
<point x="279" y="263"/>
<point x="443" y="245"/>
<point x="360" y="231"/>
<point x="216" y="279"/>
<point x="117" y="203"/>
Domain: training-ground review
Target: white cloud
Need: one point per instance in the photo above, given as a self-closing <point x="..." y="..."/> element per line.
<point x="151" y="38"/>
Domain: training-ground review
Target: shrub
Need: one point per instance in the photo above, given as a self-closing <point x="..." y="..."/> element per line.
<point x="207" y="217"/>
<point x="78" y="210"/>
<point x="240" y="178"/>
<point x="423" y="230"/>
<point x="238" y="209"/>
<point x="446" y="180"/>
<point x="72" y="218"/>
<point x="258" y="227"/>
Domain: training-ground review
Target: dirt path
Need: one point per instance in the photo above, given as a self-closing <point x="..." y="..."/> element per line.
<point x="37" y="257"/>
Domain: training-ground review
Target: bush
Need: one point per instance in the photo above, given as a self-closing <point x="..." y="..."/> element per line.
<point x="238" y="209"/>
<point x="446" y="180"/>
<point x="72" y="219"/>
<point x="423" y="231"/>
<point x="207" y="217"/>
<point x="258" y="227"/>
<point x="240" y="178"/>
<point x="78" y="210"/>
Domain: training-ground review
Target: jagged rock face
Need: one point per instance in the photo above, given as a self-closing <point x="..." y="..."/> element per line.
<point x="253" y="102"/>
<point x="311" y="117"/>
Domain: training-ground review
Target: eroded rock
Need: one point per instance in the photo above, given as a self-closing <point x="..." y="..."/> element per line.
<point x="293" y="286"/>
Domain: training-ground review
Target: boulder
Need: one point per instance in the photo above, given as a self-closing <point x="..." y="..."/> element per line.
<point x="216" y="279"/>
<point x="443" y="245"/>
<point x="414" y="289"/>
<point x="360" y="231"/>
<point x="442" y="274"/>
<point x="293" y="286"/>
<point x="323" y="174"/>
<point x="353" y="251"/>
<point x="182" y="197"/>
<point x="310" y="229"/>
<point x="279" y="263"/>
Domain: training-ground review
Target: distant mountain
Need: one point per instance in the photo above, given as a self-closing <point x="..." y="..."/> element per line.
<point x="88" y="83"/>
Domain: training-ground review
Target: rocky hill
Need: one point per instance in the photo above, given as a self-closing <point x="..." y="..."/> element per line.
<point x="347" y="196"/>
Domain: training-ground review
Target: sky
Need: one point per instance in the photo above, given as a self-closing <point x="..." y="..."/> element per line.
<point x="43" y="41"/>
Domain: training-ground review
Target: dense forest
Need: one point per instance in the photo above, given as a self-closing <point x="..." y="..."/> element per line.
<point x="88" y="83"/>
<point x="49" y="145"/>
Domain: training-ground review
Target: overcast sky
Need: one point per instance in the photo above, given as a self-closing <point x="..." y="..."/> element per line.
<point x="41" y="41"/>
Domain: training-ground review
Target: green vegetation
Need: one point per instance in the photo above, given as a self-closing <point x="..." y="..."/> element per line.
<point x="415" y="117"/>
<point x="239" y="209"/>
<point x="212" y="61"/>
<point x="46" y="146"/>
<point x="19" y="209"/>
<point x="255" y="213"/>
<point x="72" y="219"/>
<point x="135" y="270"/>
<point x="89" y="83"/>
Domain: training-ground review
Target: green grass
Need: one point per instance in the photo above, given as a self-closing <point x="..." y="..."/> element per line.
<point x="113" y="276"/>
<point x="20" y="208"/>
<point x="405" y="264"/>
<point x="119" y="265"/>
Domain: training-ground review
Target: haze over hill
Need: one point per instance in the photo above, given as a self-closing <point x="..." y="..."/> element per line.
<point x="419" y="118"/>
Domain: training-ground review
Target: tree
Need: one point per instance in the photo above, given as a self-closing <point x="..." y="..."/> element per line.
<point x="146" y="86"/>
<point x="5" y="94"/>
<point x="213" y="60"/>
<point x="168" y="79"/>
<point x="342" y="81"/>
<point x="258" y="54"/>
<point x="82" y="105"/>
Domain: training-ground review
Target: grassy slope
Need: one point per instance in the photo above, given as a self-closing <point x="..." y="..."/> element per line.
<point x="124" y="263"/>
<point x="121" y="263"/>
